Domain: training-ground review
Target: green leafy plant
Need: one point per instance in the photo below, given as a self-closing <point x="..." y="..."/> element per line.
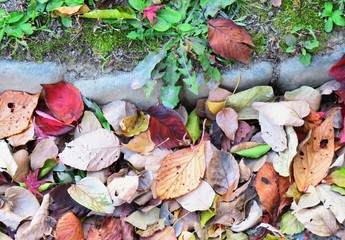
<point x="304" y="47"/>
<point x="333" y="17"/>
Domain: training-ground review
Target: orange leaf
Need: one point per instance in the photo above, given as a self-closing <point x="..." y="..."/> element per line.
<point x="69" y="227"/>
<point x="229" y="40"/>
<point x="271" y="189"/>
<point x="141" y="143"/>
<point x="16" y="109"/>
<point x="181" y="172"/>
<point x="67" y="11"/>
<point x="314" y="158"/>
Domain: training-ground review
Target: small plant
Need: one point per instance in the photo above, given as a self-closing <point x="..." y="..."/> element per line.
<point x="306" y="47"/>
<point x="333" y="17"/>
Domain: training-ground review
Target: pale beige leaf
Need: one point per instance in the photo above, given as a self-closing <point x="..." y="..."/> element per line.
<point x="115" y="111"/>
<point x="44" y="150"/>
<point x="309" y="199"/>
<point x="7" y="162"/>
<point x="305" y="93"/>
<point x="282" y="160"/>
<point x="92" y="151"/>
<point x="88" y="124"/>
<point x="227" y="120"/>
<point x="122" y="189"/>
<point x="318" y="220"/>
<point x="199" y="199"/>
<point x="329" y="87"/>
<point x="283" y="113"/>
<point x="23" y="161"/>
<point x="150" y="161"/>
<point x="23" y="137"/>
<point x="273" y="135"/>
<point x="16" y="110"/>
<point x="245" y="171"/>
<point x="38" y="227"/>
<point x="181" y="172"/>
<point x="254" y="216"/>
<point x="141" y="143"/>
<point x="312" y="162"/>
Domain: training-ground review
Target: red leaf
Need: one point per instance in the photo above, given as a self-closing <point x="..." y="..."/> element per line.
<point x="150" y="13"/>
<point x="49" y="125"/>
<point x="166" y="127"/>
<point x="337" y="71"/>
<point x="32" y="182"/>
<point x="229" y="40"/>
<point x="64" y="101"/>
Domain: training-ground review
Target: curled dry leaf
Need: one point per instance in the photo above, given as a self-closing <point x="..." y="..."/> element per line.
<point x="227" y="120"/>
<point x="16" y="110"/>
<point x="253" y="218"/>
<point x="229" y="40"/>
<point x="305" y="93"/>
<point x="7" y="162"/>
<point x="68" y="11"/>
<point x="93" y="151"/>
<point x="133" y="125"/>
<point x="314" y="158"/>
<point x="123" y="189"/>
<point x="181" y="172"/>
<point x="23" y="162"/>
<point x="69" y="227"/>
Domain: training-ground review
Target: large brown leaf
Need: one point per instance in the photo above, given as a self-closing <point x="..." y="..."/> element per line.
<point x="181" y="172"/>
<point x="16" y="109"/>
<point x="314" y="158"/>
<point x="229" y="40"/>
<point x="69" y="227"/>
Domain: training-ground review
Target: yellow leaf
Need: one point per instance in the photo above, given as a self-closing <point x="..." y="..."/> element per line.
<point x="133" y="125"/>
<point x="70" y="11"/>
<point x="314" y="158"/>
<point x="141" y="143"/>
<point x="215" y="107"/>
<point x="181" y="172"/>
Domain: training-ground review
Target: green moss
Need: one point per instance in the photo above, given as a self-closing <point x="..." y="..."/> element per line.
<point x="260" y="42"/>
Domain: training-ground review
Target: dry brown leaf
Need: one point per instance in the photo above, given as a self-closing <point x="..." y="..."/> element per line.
<point x="44" y="150"/>
<point x="23" y="161"/>
<point x="16" y="109"/>
<point x="229" y="40"/>
<point x="23" y="137"/>
<point x="314" y="158"/>
<point x="141" y="143"/>
<point x="68" y="11"/>
<point x="69" y="227"/>
<point x="181" y="172"/>
<point x="227" y="120"/>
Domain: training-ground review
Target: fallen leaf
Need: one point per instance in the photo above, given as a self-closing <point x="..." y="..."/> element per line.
<point x="98" y="112"/>
<point x="337" y="71"/>
<point x="150" y="13"/>
<point x="117" y="110"/>
<point x="46" y="149"/>
<point x="141" y="143"/>
<point x="199" y="199"/>
<point x="142" y="220"/>
<point x="337" y="189"/>
<point x="16" y="110"/>
<point x="67" y="11"/>
<point x="168" y="233"/>
<point x="308" y="199"/>
<point x="245" y="172"/>
<point x="276" y="3"/>
<point x="92" y="152"/>
<point x="50" y="125"/>
<point x="229" y="40"/>
<point x="32" y="182"/>
<point x="227" y="120"/>
<point x="312" y="121"/>
<point x="318" y="220"/>
<point x="285" y="113"/>
<point x="193" y="126"/>
<point x="290" y="224"/>
<point x="241" y="102"/>
<point x="254" y="216"/>
<point x="337" y="177"/>
<point x="117" y="12"/>
<point x="250" y="149"/>
<point x="64" y="101"/>
<point x="23" y="137"/>
<point x="69" y="227"/>
<point x="122" y="189"/>
<point x="282" y="160"/>
<point x="181" y="172"/>
<point x="166" y="127"/>
<point x="305" y="93"/>
<point x="271" y="189"/>
<point x="329" y="87"/>
<point x="314" y="158"/>
<point x="7" y="162"/>
<point x="222" y="171"/>
<point x="134" y="125"/>
<point x="243" y="132"/>
<point x="23" y="162"/>
<point x="88" y="123"/>
<point x="92" y="194"/>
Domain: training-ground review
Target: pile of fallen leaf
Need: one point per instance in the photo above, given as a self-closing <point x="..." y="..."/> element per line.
<point x="238" y="161"/>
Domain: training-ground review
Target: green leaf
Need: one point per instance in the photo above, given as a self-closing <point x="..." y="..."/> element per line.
<point x="92" y="194"/>
<point x="193" y="126"/>
<point x="198" y="48"/>
<point x="52" y="4"/>
<point x="185" y="27"/>
<point x="338" y="18"/>
<point x="205" y="216"/>
<point x="311" y="44"/>
<point x="14" y="31"/>
<point x="45" y="186"/>
<point x="170" y="95"/>
<point x="161" y="25"/>
<point x="305" y="59"/>
<point x="290" y="224"/>
<point x="142" y="220"/>
<point x="142" y="72"/>
<point x="169" y="15"/>
<point x="66" y="22"/>
<point x="271" y="237"/>
<point x="27" y="28"/>
<point x="98" y="112"/>
<point x="138" y="5"/>
<point x="254" y="152"/>
<point x="74" y="2"/>
<point x="190" y="80"/>
<point x="241" y="102"/>
<point x="213" y="6"/>
<point x="329" y="25"/>
<point x="48" y="165"/>
<point x="338" y="177"/>
<point x="15" y="17"/>
<point x="2" y="33"/>
<point x="338" y="189"/>
<point x="116" y="13"/>
<point x="328" y="7"/>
